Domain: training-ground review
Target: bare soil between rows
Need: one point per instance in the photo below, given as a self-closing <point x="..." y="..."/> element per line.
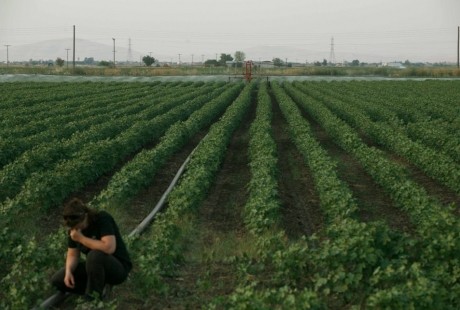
<point x="220" y="230"/>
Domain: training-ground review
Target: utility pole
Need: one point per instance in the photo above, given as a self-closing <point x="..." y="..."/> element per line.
<point x="7" y="55"/>
<point x="130" y="52"/>
<point x="113" y="52"/>
<point x="458" y="48"/>
<point x="67" y="49"/>
<point x="332" y="53"/>
<point x="74" y="48"/>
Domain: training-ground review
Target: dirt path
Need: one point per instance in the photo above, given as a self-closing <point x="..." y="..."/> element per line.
<point x="219" y="232"/>
<point x="301" y="211"/>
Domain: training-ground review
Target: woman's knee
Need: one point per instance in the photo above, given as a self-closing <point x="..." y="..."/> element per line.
<point x="95" y="257"/>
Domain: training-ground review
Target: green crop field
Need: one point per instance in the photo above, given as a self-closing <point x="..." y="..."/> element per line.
<point x="298" y="195"/>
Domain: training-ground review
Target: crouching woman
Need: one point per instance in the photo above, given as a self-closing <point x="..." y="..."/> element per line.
<point x="95" y="234"/>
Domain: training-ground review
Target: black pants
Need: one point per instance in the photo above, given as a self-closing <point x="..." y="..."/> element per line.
<point x="91" y="275"/>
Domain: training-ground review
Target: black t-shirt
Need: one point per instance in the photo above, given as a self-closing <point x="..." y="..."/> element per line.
<point x="104" y="225"/>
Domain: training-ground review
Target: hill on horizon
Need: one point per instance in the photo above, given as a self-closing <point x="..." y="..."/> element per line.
<point x="52" y="49"/>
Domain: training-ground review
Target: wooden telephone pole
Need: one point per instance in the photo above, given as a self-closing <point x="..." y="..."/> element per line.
<point x="458" y="48"/>
<point x="73" y="60"/>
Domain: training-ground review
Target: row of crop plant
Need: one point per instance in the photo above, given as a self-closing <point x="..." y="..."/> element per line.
<point x="390" y="175"/>
<point x="22" y="261"/>
<point x="262" y="208"/>
<point x="139" y="171"/>
<point x="37" y="259"/>
<point x="163" y="247"/>
<point x="279" y="274"/>
<point x="436" y="122"/>
<point x="436" y="225"/>
<point x="25" y="290"/>
<point x="22" y="120"/>
<point x="439" y="132"/>
<point x="36" y="129"/>
<point x="433" y="163"/>
<point x="48" y="188"/>
<point x="27" y="92"/>
<point x="43" y="156"/>
<point x="415" y="100"/>
<point x="28" y="97"/>
<point x="307" y="273"/>
<point x="266" y="281"/>
<point x="349" y="264"/>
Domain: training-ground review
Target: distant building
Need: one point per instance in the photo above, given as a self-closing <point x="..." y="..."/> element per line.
<point x="265" y="64"/>
<point x="397" y="65"/>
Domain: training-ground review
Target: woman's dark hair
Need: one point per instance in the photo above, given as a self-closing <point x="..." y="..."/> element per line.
<point x="74" y="212"/>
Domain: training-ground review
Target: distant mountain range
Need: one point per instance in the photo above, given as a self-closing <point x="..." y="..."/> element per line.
<point x="52" y="49"/>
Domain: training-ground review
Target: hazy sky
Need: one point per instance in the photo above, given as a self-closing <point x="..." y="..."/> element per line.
<point x="418" y="30"/>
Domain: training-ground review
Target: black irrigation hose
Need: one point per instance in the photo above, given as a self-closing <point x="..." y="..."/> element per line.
<point x="143" y="225"/>
<point x="61" y="296"/>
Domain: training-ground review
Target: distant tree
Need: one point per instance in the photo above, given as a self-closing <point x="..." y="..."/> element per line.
<point x="88" y="60"/>
<point x="317" y="64"/>
<point x="148" y="60"/>
<point x="324" y="62"/>
<point x="355" y="63"/>
<point x="224" y="58"/>
<point x="59" y="62"/>
<point x="277" y="62"/>
<point x="407" y="63"/>
<point x="211" y="62"/>
<point x="104" y="63"/>
<point x="239" y="56"/>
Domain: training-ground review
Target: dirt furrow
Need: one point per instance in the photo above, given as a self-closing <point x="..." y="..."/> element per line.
<point x="218" y="232"/>
<point x="300" y="203"/>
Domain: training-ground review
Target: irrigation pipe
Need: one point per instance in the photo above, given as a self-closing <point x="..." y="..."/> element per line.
<point x="61" y="296"/>
<point x="143" y="225"/>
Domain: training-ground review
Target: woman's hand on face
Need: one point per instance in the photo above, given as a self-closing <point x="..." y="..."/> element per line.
<point x="75" y="234"/>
